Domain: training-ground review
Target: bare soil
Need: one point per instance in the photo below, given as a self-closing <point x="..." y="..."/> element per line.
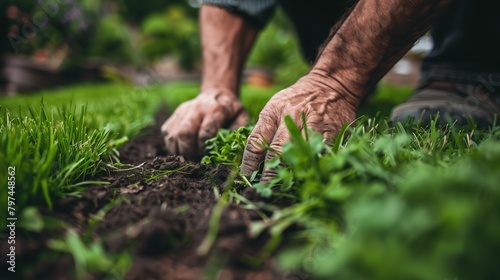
<point x="160" y="221"/>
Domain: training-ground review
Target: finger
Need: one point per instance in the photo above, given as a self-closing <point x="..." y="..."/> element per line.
<point x="171" y="145"/>
<point x="254" y="152"/>
<point x="168" y="138"/>
<point x="328" y="128"/>
<point x="187" y="137"/>
<point x="281" y="137"/>
<point x="181" y="131"/>
<point x="208" y="129"/>
<point x="329" y="138"/>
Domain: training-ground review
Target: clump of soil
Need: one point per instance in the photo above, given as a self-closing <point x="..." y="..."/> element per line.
<point x="161" y="214"/>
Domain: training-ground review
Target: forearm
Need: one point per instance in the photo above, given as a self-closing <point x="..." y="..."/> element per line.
<point x="375" y="35"/>
<point x="226" y="40"/>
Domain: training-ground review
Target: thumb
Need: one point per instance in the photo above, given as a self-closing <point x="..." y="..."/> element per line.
<point x="254" y="151"/>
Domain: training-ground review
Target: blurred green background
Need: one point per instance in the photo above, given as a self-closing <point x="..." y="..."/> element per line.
<point x="131" y="32"/>
<point x="128" y="34"/>
<point x="123" y="34"/>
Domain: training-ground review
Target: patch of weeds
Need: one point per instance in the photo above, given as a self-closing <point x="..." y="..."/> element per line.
<point x="443" y="223"/>
<point x="227" y="147"/>
<point x="331" y="184"/>
<point x="382" y="202"/>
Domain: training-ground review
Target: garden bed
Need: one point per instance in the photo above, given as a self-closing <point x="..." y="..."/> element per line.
<point x="161" y="212"/>
<point x="383" y="202"/>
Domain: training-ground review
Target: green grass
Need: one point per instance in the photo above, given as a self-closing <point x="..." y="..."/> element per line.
<point x="387" y="202"/>
<point x="57" y="142"/>
<point x="58" y="146"/>
<point x="59" y="138"/>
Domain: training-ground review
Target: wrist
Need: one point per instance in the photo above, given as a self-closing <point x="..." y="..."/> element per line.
<point x="336" y="85"/>
<point x="224" y="98"/>
<point x="218" y="91"/>
<point x="226" y="88"/>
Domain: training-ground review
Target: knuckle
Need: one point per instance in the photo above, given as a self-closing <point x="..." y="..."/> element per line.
<point x="170" y="139"/>
<point x="276" y="144"/>
<point x="265" y="113"/>
<point x="253" y="142"/>
<point x="269" y="173"/>
<point x="274" y="147"/>
<point x="185" y="135"/>
<point x="181" y="108"/>
<point x="250" y="162"/>
<point x="165" y="128"/>
<point x="246" y="164"/>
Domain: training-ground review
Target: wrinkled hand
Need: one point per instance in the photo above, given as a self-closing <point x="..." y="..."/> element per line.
<point x="325" y="107"/>
<point x="197" y="120"/>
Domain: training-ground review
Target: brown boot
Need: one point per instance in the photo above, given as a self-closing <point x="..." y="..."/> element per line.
<point x="453" y="102"/>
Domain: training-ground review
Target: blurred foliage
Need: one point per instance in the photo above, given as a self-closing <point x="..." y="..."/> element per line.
<point x="389" y="202"/>
<point x="277" y="49"/>
<point x="41" y="24"/>
<point x="112" y="34"/>
<point x="443" y="224"/>
<point x="171" y="32"/>
<point x="129" y="31"/>
<point x="101" y="30"/>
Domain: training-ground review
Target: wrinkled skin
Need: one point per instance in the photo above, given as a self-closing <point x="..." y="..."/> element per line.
<point x="198" y="120"/>
<point x="358" y="52"/>
<point x="324" y="108"/>
<point x="226" y="40"/>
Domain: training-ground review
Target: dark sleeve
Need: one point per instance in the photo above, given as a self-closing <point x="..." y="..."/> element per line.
<point x="257" y="12"/>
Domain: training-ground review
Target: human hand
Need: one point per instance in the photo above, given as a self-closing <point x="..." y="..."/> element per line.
<point x="326" y="108"/>
<point x="197" y="120"/>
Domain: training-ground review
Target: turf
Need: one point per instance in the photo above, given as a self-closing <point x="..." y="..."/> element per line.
<point x="424" y="198"/>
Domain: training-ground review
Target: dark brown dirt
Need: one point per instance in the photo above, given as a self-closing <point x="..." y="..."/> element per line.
<point x="161" y="212"/>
